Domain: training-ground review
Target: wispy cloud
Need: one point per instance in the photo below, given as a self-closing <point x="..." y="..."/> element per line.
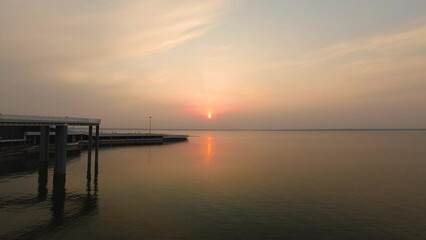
<point x="62" y="47"/>
<point x="364" y="65"/>
<point x="78" y="43"/>
<point x="99" y="58"/>
<point x="357" y="79"/>
<point x="377" y="49"/>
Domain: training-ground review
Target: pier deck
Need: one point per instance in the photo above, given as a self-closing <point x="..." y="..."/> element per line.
<point x="23" y="120"/>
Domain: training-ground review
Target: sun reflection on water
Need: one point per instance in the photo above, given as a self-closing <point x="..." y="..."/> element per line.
<point x="208" y="154"/>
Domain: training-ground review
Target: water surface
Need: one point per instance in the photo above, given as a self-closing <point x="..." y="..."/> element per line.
<point x="232" y="185"/>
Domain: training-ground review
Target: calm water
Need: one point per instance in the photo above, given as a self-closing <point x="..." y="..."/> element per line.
<point x="232" y="185"/>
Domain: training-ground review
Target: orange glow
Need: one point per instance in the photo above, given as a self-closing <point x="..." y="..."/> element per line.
<point x="209" y="148"/>
<point x="210" y="108"/>
<point x="208" y="154"/>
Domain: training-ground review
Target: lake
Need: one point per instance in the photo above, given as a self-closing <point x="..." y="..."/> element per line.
<point x="231" y="185"/>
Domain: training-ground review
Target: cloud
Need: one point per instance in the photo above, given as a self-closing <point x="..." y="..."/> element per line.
<point x="379" y="62"/>
<point x="81" y="54"/>
<point x="377" y="49"/>
<point x="348" y="82"/>
<point x="66" y="39"/>
<point x="129" y="58"/>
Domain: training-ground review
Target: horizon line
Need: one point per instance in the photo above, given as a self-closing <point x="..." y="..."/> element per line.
<point x="272" y="129"/>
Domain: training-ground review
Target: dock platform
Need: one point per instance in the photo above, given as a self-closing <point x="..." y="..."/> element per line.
<point x="113" y="139"/>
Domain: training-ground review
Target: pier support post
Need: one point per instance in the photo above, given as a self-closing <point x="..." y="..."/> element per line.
<point x="44" y="144"/>
<point x="58" y="193"/>
<point x="90" y="139"/>
<point x="43" y="163"/>
<point x="60" y="150"/>
<point x="89" y="152"/>
<point x="97" y="142"/>
<point x="97" y="149"/>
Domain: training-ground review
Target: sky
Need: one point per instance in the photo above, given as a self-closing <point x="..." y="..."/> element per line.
<point x="276" y="64"/>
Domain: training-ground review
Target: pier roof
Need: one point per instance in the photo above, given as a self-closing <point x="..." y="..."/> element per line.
<point x="25" y="120"/>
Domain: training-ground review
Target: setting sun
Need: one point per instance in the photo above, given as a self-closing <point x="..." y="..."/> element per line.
<point x="209" y="115"/>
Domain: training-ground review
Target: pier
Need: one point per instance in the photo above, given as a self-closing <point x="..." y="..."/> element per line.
<point x="34" y="140"/>
<point x="29" y="137"/>
<point x="60" y="124"/>
<point x="117" y="139"/>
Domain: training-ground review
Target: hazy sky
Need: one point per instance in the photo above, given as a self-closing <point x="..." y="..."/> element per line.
<point x="251" y="64"/>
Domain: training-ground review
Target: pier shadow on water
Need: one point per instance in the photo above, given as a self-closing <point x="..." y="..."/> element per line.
<point x="67" y="209"/>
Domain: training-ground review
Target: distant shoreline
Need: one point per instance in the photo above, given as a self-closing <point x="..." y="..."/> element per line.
<point x="280" y="130"/>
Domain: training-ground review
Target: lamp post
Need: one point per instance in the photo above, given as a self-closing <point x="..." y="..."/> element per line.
<point x="149" y="124"/>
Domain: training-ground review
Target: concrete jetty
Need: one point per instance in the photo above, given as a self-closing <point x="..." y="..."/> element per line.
<point x="44" y="125"/>
<point x="22" y="138"/>
<point x="114" y="139"/>
<point x="33" y="136"/>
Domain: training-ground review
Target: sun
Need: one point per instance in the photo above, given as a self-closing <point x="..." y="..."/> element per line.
<point x="209" y="115"/>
